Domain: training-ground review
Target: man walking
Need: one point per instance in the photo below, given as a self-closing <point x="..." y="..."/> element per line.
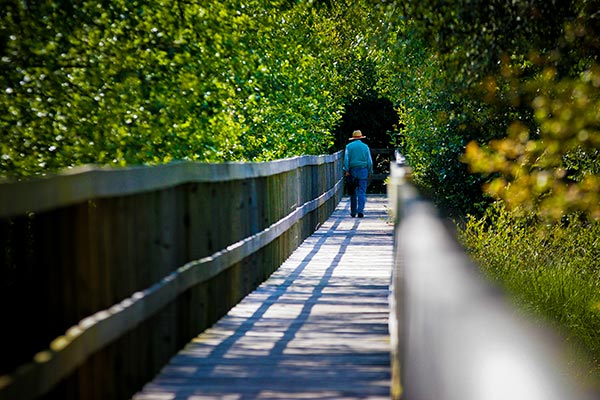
<point x="358" y="163"/>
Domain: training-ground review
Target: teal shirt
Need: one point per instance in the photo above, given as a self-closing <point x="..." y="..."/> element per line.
<point x="357" y="155"/>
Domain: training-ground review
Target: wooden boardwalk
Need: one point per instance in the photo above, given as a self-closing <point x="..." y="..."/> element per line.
<point x="316" y="329"/>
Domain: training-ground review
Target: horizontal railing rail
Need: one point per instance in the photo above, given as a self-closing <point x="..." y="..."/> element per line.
<point x="92" y="182"/>
<point x="118" y="269"/>
<point x="455" y="336"/>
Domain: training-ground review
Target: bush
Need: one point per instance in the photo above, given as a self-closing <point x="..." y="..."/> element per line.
<point x="552" y="271"/>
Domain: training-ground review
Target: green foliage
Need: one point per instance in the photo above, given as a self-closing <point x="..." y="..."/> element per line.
<point x="463" y="72"/>
<point x="554" y="168"/>
<point x="151" y="81"/>
<point x="472" y="36"/>
<point x="551" y="270"/>
<point x="436" y="121"/>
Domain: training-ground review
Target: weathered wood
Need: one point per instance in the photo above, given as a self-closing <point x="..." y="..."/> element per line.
<point x="317" y="328"/>
<point x="139" y="273"/>
<point x="91" y="182"/>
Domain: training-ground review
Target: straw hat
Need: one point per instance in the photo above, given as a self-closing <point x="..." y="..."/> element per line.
<point x="357" y="135"/>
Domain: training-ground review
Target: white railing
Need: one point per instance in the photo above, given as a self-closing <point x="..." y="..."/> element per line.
<point x="454" y="336"/>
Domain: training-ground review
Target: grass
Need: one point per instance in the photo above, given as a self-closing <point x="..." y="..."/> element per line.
<point x="552" y="271"/>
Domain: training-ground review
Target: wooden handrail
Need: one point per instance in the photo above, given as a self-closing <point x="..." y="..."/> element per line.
<point x="454" y="336"/>
<point x="92" y="182"/>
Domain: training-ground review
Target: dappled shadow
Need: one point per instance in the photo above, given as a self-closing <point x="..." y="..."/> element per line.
<point x="316" y="329"/>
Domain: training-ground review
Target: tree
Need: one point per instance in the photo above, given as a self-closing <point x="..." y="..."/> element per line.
<point x="146" y="82"/>
<point x="520" y="76"/>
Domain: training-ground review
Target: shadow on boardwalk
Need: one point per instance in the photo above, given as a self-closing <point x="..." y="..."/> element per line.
<point x="316" y="329"/>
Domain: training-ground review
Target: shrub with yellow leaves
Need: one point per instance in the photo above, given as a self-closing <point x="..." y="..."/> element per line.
<point x="552" y="168"/>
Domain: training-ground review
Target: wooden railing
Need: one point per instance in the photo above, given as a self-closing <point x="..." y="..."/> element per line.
<point x="105" y="274"/>
<point x="454" y="336"/>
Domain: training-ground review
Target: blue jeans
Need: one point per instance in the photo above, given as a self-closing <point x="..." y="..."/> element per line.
<point x="359" y="198"/>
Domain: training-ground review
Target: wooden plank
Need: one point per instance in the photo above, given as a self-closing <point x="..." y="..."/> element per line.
<point x="317" y="328"/>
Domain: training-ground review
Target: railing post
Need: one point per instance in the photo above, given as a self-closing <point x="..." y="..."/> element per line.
<point x="454" y="336"/>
